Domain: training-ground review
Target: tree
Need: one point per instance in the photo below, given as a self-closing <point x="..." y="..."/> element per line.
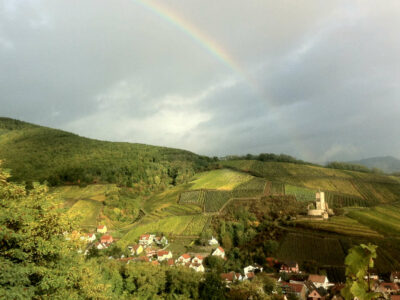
<point x="36" y="260"/>
<point x="212" y="288"/>
<point x="358" y="263"/>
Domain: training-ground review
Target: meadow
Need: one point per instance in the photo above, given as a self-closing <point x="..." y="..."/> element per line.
<point x="223" y="179"/>
<point x="86" y="212"/>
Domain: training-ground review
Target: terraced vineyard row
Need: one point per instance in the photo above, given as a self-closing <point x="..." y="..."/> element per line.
<point x="301" y="194"/>
<point x="192" y="197"/>
<point x="338" y="200"/>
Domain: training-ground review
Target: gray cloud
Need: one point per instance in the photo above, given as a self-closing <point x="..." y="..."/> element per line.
<point x="315" y="80"/>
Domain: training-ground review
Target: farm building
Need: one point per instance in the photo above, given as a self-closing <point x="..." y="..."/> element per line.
<point x="197" y="267"/>
<point x="136" y="249"/>
<point x="183" y="259"/>
<point x="197" y="259"/>
<point x="146" y="239"/>
<point x="290" y="267"/>
<point x="319" y="280"/>
<point x="213" y="241"/>
<point x="298" y="289"/>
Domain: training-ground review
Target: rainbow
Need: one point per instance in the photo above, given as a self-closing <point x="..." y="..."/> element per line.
<point x="218" y="52"/>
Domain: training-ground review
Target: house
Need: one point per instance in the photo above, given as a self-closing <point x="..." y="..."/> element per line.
<point x="101" y="246"/>
<point x="319" y="280"/>
<point x="197" y="259"/>
<point x="395" y="277"/>
<point x="143" y="258"/>
<point x="161" y="240"/>
<point x="163" y="255"/>
<point x="219" y="252"/>
<point x="249" y="275"/>
<point x="213" y="241"/>
<point x="146" y="239"/>
<point x="183" y="259"/>
<point x="229" y="277"/>
<point x="106" y="239"/>
<point x="88" y="237"/>
<point x="150" y="251"/>
<point x="252" y="269"/>
<point x="197" y="267"/>
<point x="136" y="249"/>
<point x="170" y="262"/>
<point x="298" y="289"/>
<point x="102" y="229"/>
<point x="387" y="288"/>
<point x="290" y="267"/>
<point x="315" y="295"/>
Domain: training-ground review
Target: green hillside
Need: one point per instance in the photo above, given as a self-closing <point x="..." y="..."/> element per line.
<point x="36" y="153"/>
<point x="342" y="185"/>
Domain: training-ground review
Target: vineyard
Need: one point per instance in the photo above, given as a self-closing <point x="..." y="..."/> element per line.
<point x="277" y="188"/>
<point x="303" y="247"/>
<point x="214" y="200"/>
<point x="86" y="211"/>
<point x="341" y="225"/>
<point x="384" y="219"/>
<point x="192" y="197"/>
<point x="375" y="188"/>
<point x="301" y="194"/>
<point x="338" y="200"/>
<point x="223" y="179"/>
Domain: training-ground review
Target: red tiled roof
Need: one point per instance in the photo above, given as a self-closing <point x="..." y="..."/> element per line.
<point x="162" y="252"/>
<point x="250" y="275"/>
<point x="199" y="257"/>
<point x="295" y="287"/>
<point x="145" y="236"/>
<point x="185" y="256"/>
<point x="135" y="247"/>
<point x="170" y="262"/>
<point x="221" y="249"/>
<point x="228" y="276"/>
<point x="100" y="226"/>
<point x="316" y="278"/>
<point x="106" y="238"/>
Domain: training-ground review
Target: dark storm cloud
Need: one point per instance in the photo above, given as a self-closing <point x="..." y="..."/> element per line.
<point x="315" y="80"/>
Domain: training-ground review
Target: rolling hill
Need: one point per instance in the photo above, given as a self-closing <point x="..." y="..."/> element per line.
<point x="36" y="153"/>
<point x="388" y="164"/>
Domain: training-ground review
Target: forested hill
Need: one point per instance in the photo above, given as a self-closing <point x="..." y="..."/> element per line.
<point x="36" y="153"/>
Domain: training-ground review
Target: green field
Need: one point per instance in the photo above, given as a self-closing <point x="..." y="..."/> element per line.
<point x="86" y="212"/>
<point x="374" y="188"/>
<point x="341" y="225"/>
<point x="301" y="247"/>
<point x="174" y="225"/>
<point x="224" y="179"/>
<point x="384" y="219"/>
<point x="301" y="194"/>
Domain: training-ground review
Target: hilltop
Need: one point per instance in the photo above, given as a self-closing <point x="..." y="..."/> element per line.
<point x="388" y="164"/>
<point x="37" y="153"/>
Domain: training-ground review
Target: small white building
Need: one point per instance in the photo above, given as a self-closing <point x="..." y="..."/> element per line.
<point x="319" y="281"/>
<point x="183" y="259"/>
<point x="197" y="259"/>
<point x="197" y="267"/>
<point x="219" y="252"/>
<point x="164" y="255"/>
<point x="251" y="268"/>
<point x="213" y="241"/>
<point x="146" y="239"/>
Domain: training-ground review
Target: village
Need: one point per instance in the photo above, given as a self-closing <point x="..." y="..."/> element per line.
<point x="291" y="281"/>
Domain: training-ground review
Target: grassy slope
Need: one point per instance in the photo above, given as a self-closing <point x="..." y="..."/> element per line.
<point x="223" y="179"/>
<point x="39" y="153"/>
<point x="375" y="188"/>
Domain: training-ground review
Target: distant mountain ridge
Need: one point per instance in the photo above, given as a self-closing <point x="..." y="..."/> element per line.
<point x="388" y="164"/>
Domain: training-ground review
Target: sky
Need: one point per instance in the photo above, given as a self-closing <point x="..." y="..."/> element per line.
<point x="319" y="80"/>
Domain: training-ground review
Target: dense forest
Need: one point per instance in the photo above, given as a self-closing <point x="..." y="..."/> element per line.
<point x="36" y="153"/>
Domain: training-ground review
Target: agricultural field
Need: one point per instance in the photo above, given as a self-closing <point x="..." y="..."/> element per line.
<point x="95" y="192"/>
<point x="341" y="225"/>
<point x="301" y="194"/>
<point x="302" y="247"/>
<point x="224" y="179"/>
<point x="277" y="188"/>
<point x="375" y="188"/>
<point x="384" y="218"/>
<point x="338" y="200"/>
<point x="192" y="197"/>
<point x="86" y="212"/>
<point x="174" y="225"/>
<point x="214" y="200"/>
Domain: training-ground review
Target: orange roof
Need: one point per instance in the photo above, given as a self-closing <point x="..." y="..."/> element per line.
<point x="228" y="276"/>
<point x="389" y="285"/>
<point x="221" y="249"/>
<point x="250" y="275"/>
<point x="106" y="238"/>
<point x="317" y="278"/>
<point x="145" y="236"/>
<point x="162" y="252"/>
<point x="199" y="257"/>
<point x="154" y="262"/>
<point x="100" y="226"/>
<point x="170" y="262"/>
<point x="185" y="256"/>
